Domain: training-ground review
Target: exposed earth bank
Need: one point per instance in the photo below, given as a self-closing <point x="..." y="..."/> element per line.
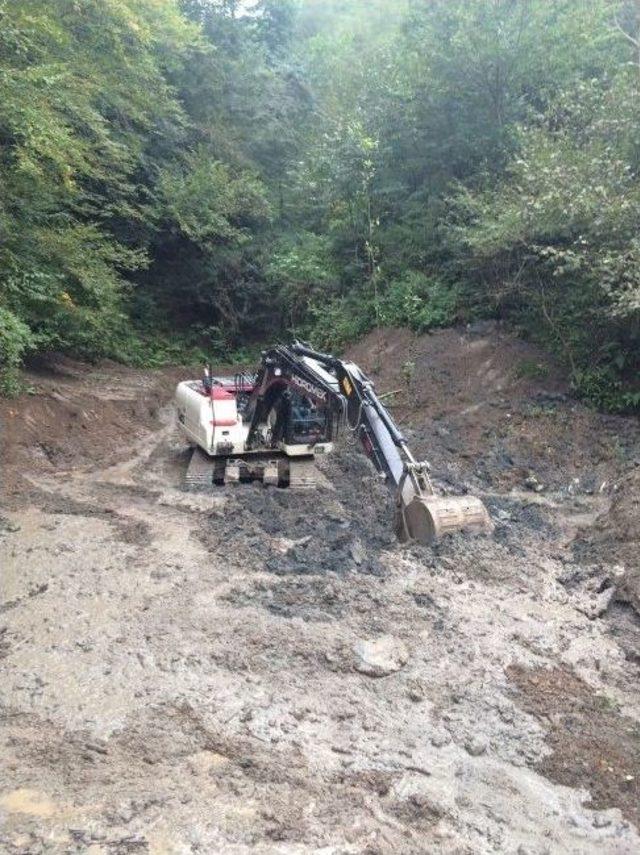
<point x="251" y="670"/>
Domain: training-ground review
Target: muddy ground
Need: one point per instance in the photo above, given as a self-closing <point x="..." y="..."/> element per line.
<point x="253" y="670"/>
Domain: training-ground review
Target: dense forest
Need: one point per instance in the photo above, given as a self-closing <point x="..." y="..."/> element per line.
<point x="196" y="176"/>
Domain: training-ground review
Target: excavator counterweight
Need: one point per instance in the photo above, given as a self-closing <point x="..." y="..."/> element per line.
<point x="272" y="424"/>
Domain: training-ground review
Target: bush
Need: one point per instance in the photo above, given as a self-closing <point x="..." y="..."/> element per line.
<point x="554" y="243"/>
<point x="303" y="272"/>
<point x="418" y="302"/>
<point x="415" y="301"/>
<point x="15" y="339"/>
<point x="339" y="322"/>
<point x="604" y="389"/>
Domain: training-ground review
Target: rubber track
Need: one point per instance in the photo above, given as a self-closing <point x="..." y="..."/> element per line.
<point x="200" y="471"/>
<point x="203" y="470"/>
<point x="303" y="474"/>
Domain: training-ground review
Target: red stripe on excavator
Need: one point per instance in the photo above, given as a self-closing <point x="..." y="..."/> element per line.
<point x="219" y="393"/>
<point x="223" y="422"/>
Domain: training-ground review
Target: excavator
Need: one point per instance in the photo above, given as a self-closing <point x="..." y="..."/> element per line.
<point x="272" y="424"/>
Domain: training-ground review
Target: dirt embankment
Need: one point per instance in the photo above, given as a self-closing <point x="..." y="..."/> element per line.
<point x="251" y="670"/>
<point x="492" y="407"/>
<point x="616" y="537"/>
<point x="77" y="415"/>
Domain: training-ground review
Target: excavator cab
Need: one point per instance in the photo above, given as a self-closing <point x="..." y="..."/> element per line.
<point x="309" y="422"/>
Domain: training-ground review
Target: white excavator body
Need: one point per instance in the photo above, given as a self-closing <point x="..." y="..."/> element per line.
<point x="214" y="420"/>
<point x="210" y="419"/>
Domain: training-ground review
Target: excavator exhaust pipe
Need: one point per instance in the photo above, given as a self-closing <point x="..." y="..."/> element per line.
<point x="428" y="519"/>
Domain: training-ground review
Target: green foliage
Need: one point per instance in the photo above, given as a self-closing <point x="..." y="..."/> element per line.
<point x="184" y="177"/>
<point x="532" y="369"/>
<point x="15" y="340"/>
<point x="555" y="240"/>
<point x="210" y="205"/>
<point x="603" y="387"/>
<point x="304" y="272"/>
<point x="83" y="93"/>
<point x="419" y="302"/>
<point x="415" y="301"/>
<point x="163" y="348"/>
<point x="335" y="324"/>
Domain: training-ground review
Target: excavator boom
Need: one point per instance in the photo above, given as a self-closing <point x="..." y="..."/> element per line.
<point x="422" y="515"/>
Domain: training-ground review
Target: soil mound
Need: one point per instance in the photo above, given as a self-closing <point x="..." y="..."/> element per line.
<point x="76" y="414"/>
<point x="615" y="538"/>
<point x="482" y="404"/>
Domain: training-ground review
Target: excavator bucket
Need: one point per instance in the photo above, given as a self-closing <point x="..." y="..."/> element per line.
<point x="428" y="518"/>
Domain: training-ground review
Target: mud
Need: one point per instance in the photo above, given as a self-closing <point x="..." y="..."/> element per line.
<point x="587" y="726"/>
<point x="180" y="670"/>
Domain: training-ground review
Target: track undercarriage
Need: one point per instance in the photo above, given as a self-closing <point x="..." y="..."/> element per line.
<point x="271" y="468"/>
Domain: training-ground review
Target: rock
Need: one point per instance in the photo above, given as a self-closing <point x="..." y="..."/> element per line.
<point x="380" y="657"/>
<point x="415" y="691"/>
<point x="357" y="552"/>
<point x="475" y="746"/>
<point x="440" y="739"/>
<point x="532" y="483"/>
<point x="506" y="714"/>
<point x="594" y="605"/>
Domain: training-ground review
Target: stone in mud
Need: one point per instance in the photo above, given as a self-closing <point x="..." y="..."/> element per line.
<point x="357" y="552"/>
<point x="475" y="746"/>
<point x="629" y="587"/>
<point x="380" y="657"/>
<point x="532" y="483"/>
<point x="416" y="690"/>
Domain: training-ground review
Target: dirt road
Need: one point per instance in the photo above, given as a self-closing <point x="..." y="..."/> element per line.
<point x="252" y="670"/>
